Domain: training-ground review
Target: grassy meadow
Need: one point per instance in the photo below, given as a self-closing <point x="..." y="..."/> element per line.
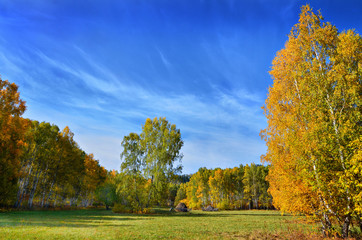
<point x="102" y="224"/>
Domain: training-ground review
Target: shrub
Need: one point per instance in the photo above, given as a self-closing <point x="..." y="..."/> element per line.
<point x="120" y="208"/>
<point x="224" y="205"/>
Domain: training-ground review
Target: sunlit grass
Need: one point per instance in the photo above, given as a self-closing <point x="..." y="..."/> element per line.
<point x="101" y="224"/>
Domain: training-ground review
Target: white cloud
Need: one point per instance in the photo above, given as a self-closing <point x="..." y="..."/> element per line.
<point x="212" y="127"/>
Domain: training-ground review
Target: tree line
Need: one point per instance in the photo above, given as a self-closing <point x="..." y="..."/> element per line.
<point x="43" y="166"/>
<point x="314" y="132"/>
<point x="39" y="164"/>
<point x="242" y="187"/>
<point x="150" y="176"/>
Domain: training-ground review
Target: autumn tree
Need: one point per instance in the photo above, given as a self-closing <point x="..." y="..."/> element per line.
<point x="65" y="169"/>
<point x="226" y="188"/>
<point x="38" y="163"/>
<point x="217" y="187"/>
<point x="38" y="152"/>
<point x="314" y="123"/>
<point x="95" y="175"/>
<point x="248" y="185"/>
<point x="55" y="170"/>
<point x="11" y="133"/>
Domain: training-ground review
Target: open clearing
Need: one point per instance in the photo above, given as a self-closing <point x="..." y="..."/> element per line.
<point x="102" y="224"/>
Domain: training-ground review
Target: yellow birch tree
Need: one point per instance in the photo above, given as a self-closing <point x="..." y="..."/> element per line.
<point x="314" y="116"/>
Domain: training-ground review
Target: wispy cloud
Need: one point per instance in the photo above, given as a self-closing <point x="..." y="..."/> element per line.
<point x="211" y="126"/>
<point x="103" y="81"/>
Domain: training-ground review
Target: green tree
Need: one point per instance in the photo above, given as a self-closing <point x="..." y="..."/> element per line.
<point x="152" y="155"/>
<point x="132" y="190"/>
<point x="239" y="186"/>
<point x="264" y="196"/>
<point x="181" y="194"/>
<point x="54" y="168"/>
<point x="107" y="191"/>
<point x="38" y="153"/>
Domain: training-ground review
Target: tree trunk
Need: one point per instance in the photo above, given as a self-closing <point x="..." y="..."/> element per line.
<point x="345" y="227"/>
<point x="50" y="193"/>
<point x="20" y="194"/>
<point x="149" y="193"/>
<point x="326" y="225"/>
<point x="24" y="182"/>
<point x="359" y="222"/>
<point x="33" y="190"/>
<point x="42" y="199"/>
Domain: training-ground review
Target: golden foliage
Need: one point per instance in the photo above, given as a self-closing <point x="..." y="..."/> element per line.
<point x="314" y="114"/>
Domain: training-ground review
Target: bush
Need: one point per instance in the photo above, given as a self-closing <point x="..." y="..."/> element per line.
<point x="120" y="208"/>
<point x="224" y="205"/>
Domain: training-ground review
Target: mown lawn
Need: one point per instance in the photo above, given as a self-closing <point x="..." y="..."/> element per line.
<point x="102" y="224"/>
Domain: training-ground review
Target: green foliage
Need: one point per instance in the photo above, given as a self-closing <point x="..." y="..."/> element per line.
<point x="121" y="208"/>
<point x="133" y="190"/>
<point x="54" y="170"/>
<point x="148" y="163"/>
<point x="172" y="193"/>
<point x="107" y="192"/>
<point x="181" y="193"/>
<point x="39" y="163"/>
<point x="224" y="204"/>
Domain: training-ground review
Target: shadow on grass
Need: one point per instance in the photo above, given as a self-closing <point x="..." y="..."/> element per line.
<point x="198" y="213"/>
<point x="115" y="218"/>
<point x="264" y="215"/>
<point x="65" y="224"/>
<point x="104" y="218"/>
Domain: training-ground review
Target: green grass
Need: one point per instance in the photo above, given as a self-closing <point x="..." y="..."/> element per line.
<point x="102" y="224"/>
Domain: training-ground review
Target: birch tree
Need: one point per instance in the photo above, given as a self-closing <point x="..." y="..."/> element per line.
<point x="153" y="156"/>
<point x="314" y="117"/>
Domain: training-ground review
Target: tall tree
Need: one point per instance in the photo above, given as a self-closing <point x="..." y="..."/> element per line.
<point x="161" y="142"/>
<point x="152" y="155"/>
<point x="314" y="117"/>
<point x="248" y="185"/>
<point x="198" y="189"/>
<point x="11" y="133"/>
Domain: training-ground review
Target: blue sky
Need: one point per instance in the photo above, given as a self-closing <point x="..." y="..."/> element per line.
<point x="103" y="67"/>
